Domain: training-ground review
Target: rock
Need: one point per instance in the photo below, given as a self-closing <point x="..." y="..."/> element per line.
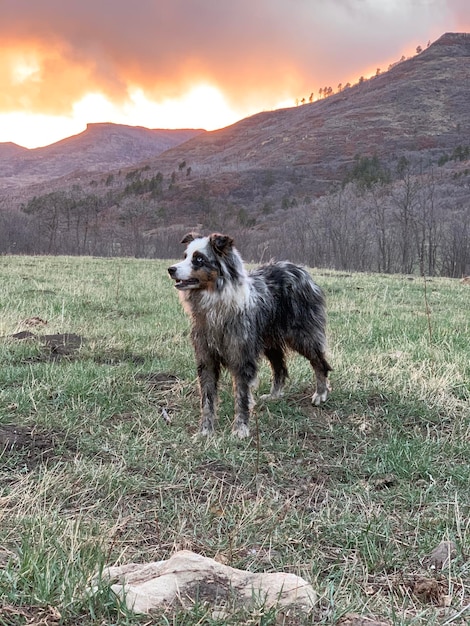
<point x="187" y="577"/>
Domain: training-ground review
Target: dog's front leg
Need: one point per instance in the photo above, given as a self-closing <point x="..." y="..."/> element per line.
<point x="208" y="375"/>
<point x="243" y="382"/>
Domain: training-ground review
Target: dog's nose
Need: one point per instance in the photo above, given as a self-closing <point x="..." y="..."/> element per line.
<point x="172" y="271"/>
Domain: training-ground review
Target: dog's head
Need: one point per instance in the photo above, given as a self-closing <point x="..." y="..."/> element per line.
<point x="205" y="262"/>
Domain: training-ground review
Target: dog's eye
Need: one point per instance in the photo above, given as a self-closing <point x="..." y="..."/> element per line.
<point x="198" y="260"/>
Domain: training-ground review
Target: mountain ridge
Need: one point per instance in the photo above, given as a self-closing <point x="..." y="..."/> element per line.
<point x="355" y="121"/>
<point x="414" y="106"/>
<point x="100" y="147"/>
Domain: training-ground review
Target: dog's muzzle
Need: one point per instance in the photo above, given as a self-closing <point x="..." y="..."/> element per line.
<point x="189" y="283"/>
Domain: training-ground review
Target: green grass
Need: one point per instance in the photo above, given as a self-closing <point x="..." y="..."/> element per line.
<point x="352" y="496"/>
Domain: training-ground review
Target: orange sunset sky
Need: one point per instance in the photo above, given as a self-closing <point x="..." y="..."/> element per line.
<point x="193" y="63"/>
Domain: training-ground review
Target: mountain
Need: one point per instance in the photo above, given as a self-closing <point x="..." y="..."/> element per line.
<point x="100" y="148"/>
<point x="10" y="150"/>
<point x="420" y="104"/>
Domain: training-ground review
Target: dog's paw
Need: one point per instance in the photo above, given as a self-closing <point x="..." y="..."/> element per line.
<point x="241" y="430"/>
<point x="318" y="398"/>
<point x="273" y="395"/>
<point x="206" y="431"/>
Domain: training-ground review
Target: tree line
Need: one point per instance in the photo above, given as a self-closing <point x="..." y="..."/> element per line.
<point x="408" y="221"/>
<point x="327" y="91"/>
<point x="400" y="218"/>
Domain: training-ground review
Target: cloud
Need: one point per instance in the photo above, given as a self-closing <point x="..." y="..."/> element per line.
<point x="460" y="12"/>
<point x="257" y="52"/>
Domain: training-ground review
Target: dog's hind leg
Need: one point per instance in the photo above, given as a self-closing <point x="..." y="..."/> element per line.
<point x="208" y="375"/>
<point x="319" y="364"/>
<point x="277" y="361"/>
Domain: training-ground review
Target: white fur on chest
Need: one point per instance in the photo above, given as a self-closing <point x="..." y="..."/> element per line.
<point x="231" y="300"/>
<point x="225" y="317"/>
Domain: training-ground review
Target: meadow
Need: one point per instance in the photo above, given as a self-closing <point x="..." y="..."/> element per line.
<point x="99" y="463"/>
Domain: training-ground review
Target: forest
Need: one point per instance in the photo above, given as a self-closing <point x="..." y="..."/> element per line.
<point x="398" y="216"/>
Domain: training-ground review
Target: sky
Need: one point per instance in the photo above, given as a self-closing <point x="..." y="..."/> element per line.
<point x="193" y="63"/>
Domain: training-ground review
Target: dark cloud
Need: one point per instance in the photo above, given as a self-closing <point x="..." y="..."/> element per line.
<point x="256" y="51"/>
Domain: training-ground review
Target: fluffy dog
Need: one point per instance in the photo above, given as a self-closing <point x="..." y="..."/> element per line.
<point x="238" y="316"/>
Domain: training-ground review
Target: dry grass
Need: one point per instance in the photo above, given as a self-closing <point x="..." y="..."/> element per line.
<point x="99" y="464"/>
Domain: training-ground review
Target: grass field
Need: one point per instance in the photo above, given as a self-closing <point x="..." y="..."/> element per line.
<point x="99" y="463"/>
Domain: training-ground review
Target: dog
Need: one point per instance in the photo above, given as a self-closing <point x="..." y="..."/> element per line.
<point x="239" y="316"/>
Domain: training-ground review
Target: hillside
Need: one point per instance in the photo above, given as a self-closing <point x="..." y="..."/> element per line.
<point x="421" y="104"/>
<point x="101" y="147"/>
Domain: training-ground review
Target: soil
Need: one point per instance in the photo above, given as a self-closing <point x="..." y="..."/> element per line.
<point x="62" y="344"/>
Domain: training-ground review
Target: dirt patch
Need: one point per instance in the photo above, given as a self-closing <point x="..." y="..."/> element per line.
<point x="22" y="335"/>
<point x="28" y="445"/>
<point x="61" y="344"/>
<point x="223" y="472"/>
<point x="6" y="557"/>
<point x="164" y="389"/>
<point x="54" y="346"/>
<point x="17" y="437"/>
<point x="430" y="589"/>
<point x="33" y="321"/>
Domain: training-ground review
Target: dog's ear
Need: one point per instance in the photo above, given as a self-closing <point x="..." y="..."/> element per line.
<point x="190" y="237"/>
<point x="221" y="244"/>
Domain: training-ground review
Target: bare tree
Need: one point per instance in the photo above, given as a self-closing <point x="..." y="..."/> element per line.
<point x="404" y="200"/>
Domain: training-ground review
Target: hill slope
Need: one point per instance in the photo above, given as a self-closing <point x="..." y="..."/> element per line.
<point x="422" y="103"/>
